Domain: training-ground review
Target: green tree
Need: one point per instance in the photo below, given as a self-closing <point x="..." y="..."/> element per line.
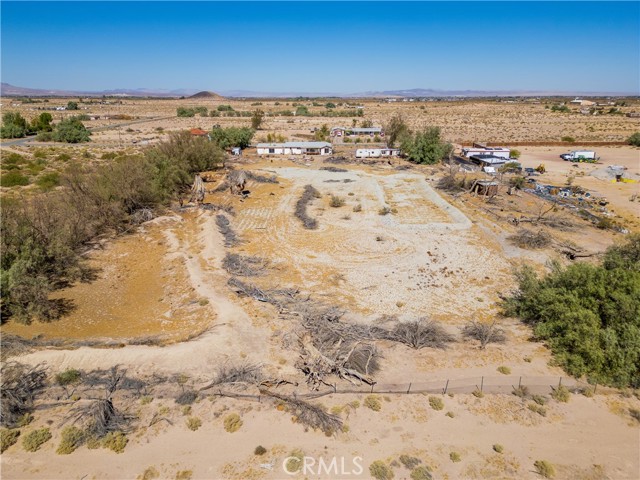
<point x="634" y="139"/>
<point x="71" y="130"/>
<point x="366" y="123"/>
<point x="513" y="153"/>
<point x="330" y="105"/>
<point x="256" y="119"/>
<point x="72" y="106"/>
<point x="302" y="111"/>
<point x="42" y="123"/>
<point x="14" y="125"/>
<point x="232" y="137"/>
<point x="426" y="147"/>
<point x="322" y="133"/>
<point x="396" y="130"/>
<point x="185" y="112"/>
<point x="589" y="315"/>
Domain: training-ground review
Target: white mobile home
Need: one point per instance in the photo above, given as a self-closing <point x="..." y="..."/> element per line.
<point x="480" y="149"/>
<point x="377" y="152"/>
<point x="295" y="148"/>
<point x="356" y="132"/>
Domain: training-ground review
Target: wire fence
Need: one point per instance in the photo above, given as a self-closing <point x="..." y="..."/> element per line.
<point x="505" y="384"/>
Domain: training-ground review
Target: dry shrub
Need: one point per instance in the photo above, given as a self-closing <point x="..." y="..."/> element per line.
<point x="421" y="333"/>
<point x="194" y="423"/>
<point x="72" y="438"/>
<point x="504" y="370"/>
<point x="532" y="240"/>
<point x="421" y="473"/>
<point x="187" y="397"/>
<point x="436" y="403"/>
<point x="336" y="202"/>
<point x="544" y="468"/>
<point x="115" y="441"/>
<point x="7" y="438"/>
<point x="35" y="439"/>
<point x="409" y="462"/>
<point x="380" y="470"/>
<point x="334" y="169"/>
<point x="373" y="402"/>
<point x="260" y="178"/>
<point x="232" y="422"/>
<point x="259" y="450"/>
<point x="561" y="394"/>
<point x="485" y="333"/>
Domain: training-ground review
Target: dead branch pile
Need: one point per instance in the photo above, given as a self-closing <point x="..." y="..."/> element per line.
<point x="99" y="416"/>
<point x="261" y="178"/>
<point x="20" y="386"/>
<point x="12" y="345"/>
<point x="224" y="226"/>
<point x="404" y="166"/>
<point x="222" y="187"/>
<point x="243" y="266"/>
<point x="141" y="215"/>
<point x="243" y="375"/>
<point x="218" y="206"/>
<point x="450" y="183"/>
<point x="248" y="290"/>
<point x="307" y="197"/>
<point x="485" y="333"/>
<point x="334" y="169"/>
<point x="420" y="333"/>
<point x="337" y="160"/>
<point x="529" y="239"/>
<point x="308" y="414"/>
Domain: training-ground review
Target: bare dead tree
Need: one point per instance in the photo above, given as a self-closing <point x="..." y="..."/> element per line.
<point x="528" y="239"/>
<point x="19" y="387"/>
<point x="243" y="375"/>
<point x="242" y="265"/>
<point x="485" y="333"/>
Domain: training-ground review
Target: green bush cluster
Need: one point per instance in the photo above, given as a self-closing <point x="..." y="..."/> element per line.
<point x="589" y="314"/>
<point x="35" y="439"/>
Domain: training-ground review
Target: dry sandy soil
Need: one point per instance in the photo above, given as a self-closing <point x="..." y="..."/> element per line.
<point x="435" y="256"/>
<point x="446" y="257"/>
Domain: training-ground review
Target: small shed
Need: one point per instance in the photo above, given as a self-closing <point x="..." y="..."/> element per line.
<point x="487" y="188"/>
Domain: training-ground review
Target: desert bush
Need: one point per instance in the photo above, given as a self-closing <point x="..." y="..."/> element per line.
<point x="187" y="397"/>
<point x="115" y="441"/>
<point x="146" y="399"/>
<point x="455" y="457"/>
<point x="477" y="393"/>
<point x="72" y="438"/>
<point x="634" y="139"/>
<point x="357" y="208"/>
<point x="14" y="178"/>
<point x="149" y="474"/>
<point x="409" y="462"/>
<point x="568" y="139"/>
<point x="336" y="201"/>
<point x="194" y="423"/>
<point x="68" y="377"/>
<point x="635" y="414"/>
<point x="450" y="414"/>
<point x="540" y="410"/>
<point x="544" y="468"/>
<point x="498" y="448"/>
<point x="295" y="461"/>
<point x="384" y="211"/>
<point x="513" y="153"/>
<point x="373" y="402"/>
<point x="380" y="470"/>
<point x="588" y="314"/>
<point x="561" y="394"/>
<point x="522" y="391"/>
<point x="420" y="333"/>
<point x="436" y="403"/>
<point x="8" y="437"/>
<point x="35" y="439"/>
<point x="232" y="422"/>
<point x="184" y="475"/>
<point x="421" y="473"/>
<point x="539" y="399"/>
<point x="71" y="130"/>
<point x="260" y="450"/>
<point x="527" y="239"/>
<point x="48" y="181"/>
<point x="504" y="370"/>
<point x="485" y="333"/>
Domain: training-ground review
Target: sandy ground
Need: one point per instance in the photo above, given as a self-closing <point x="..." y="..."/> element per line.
<point x="434" y="256"/>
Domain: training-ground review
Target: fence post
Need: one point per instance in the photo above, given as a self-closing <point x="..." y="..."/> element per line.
<point x="445" y="387"/>
<point x="520" y="382"/>
<point x="335" y="389"/>
<point x="409" y="389"/>
<point x="560" y="382"/>
<point x="482" y="383"/>
<point x="372" y="387"/>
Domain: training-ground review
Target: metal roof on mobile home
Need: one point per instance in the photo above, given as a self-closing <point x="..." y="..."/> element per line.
<point x="294" y="145"/>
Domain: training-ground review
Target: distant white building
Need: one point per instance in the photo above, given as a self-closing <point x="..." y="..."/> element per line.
<point x="350" y="132"/>
<point x="295" y="148"/>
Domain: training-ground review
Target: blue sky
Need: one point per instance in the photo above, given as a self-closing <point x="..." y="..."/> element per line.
<point x="322" y="47"/>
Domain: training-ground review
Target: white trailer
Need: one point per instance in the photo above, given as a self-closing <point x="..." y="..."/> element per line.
<point x="501" y="152"/>
<point x="368" y="153"/>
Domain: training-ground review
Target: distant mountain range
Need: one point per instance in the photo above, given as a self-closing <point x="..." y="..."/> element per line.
<point x="13" y="91"/>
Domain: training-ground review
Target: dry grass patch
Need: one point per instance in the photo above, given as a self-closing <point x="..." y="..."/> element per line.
<point x="232" y="422"/>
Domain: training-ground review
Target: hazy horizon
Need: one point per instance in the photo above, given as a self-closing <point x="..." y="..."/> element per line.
<point x="329" y="48"/>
